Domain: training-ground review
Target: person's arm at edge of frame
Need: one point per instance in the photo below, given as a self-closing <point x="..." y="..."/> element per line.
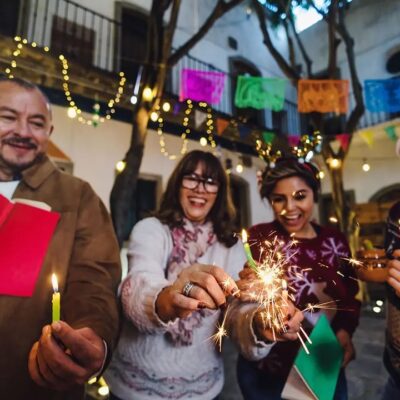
<point x="89" y="305"/>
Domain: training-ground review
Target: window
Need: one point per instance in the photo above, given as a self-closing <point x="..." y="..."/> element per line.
<point x="133" y="41"/>
<point x="73" y="40"/>
<point x="9" y="11"/>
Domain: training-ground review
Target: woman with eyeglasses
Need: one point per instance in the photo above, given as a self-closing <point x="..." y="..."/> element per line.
<point x="317" y="269"/>
<point x="181" y="265"/>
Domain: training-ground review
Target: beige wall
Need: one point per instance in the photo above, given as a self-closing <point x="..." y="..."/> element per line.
<point x="95" y="151"/>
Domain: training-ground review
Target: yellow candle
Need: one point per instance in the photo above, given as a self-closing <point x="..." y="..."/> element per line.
<point x="250" y="259"/>
<point x="56" y="299"/>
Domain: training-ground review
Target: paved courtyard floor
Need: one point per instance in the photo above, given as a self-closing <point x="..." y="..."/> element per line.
<point x="366" y="375"/>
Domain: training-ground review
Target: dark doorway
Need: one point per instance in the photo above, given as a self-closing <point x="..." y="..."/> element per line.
<point x="73" y="40"/>
<point x="133" y="41"/>
<point x="9" y="14"/>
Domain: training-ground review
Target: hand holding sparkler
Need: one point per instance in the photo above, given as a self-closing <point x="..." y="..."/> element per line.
<point x="394" y="272"/>
<point x="198" y="286"/>
<point x="291" y="325"/>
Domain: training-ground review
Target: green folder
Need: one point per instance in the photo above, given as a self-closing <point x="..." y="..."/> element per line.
<point x="314" y="375"/>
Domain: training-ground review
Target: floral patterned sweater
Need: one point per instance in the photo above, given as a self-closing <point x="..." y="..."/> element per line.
<point x="147" y="364"/>
<point x="319" y="271"/>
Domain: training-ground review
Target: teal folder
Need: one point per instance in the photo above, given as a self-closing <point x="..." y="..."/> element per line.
<point x="314" y="375"/>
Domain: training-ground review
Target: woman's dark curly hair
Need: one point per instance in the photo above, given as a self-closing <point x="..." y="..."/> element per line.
<point x="223" y="212"/>
<point x="287" y="167"/>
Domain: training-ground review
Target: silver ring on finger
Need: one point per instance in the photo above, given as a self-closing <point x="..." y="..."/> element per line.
<point x="187" y="288"/>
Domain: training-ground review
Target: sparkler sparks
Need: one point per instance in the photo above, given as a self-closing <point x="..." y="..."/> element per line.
<point x="354" y="262"/>
<point x="221" y="333"/>
<point x="271" y="290"/>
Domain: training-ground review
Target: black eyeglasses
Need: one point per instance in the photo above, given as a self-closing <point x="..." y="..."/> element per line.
<point x="193" y="181"/>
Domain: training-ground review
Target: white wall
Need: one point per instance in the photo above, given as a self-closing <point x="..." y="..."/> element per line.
<point x="95" y="151"/>
<point x="375" y="27"/>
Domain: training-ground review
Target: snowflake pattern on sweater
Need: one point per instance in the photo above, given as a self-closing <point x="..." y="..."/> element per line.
<point x="319" y="272"/>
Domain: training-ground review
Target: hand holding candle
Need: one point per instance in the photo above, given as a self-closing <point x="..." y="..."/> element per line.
<point x="247" y="250"/>
<point x="55" y="299"/>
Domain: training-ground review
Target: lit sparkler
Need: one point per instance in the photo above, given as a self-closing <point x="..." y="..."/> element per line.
<point x="270" y="288"/>
<point x="221" y="333"/>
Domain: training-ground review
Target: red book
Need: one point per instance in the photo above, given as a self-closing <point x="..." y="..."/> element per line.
<point x="25" y="234"/>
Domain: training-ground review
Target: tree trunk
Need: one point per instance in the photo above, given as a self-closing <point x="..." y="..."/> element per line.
<point x="122" y="199"/>
<point x="342" y="210"/>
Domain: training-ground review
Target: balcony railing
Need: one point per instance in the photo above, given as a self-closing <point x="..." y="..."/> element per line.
<point x="67" y="27"/>
<point x="93" y="39"/>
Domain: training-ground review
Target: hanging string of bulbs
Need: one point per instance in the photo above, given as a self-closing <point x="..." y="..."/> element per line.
<point x="73" y="110"/>
<point x="96" y="117"/>
<point x="157" y="117"/>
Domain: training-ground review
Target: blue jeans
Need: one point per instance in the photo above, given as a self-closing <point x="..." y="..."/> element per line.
<point x="255" y="384"/>
<point x="391" y="390"/>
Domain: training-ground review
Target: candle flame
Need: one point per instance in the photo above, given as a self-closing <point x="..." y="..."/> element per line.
<point x="54" y="282"/>
<point x="244" y="236"/>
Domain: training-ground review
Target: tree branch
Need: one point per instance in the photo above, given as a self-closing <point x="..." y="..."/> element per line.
<point x="166" y="50"/>
<point x="333" y="42"/>
<point x="292" y="55"/>
<point x="358" y="111"/>
<point x="282" y="63"/>
<point x="220" y="9"/>
<point x="303" y="51"/>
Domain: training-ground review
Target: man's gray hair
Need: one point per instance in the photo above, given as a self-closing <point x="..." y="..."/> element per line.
<point x="28" y="86"/>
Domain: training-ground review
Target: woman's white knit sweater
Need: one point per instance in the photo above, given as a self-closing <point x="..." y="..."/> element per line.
<point x="146" y="364"/>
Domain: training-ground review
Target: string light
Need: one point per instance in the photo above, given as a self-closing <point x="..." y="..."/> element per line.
<point x="166" y="107"/>
<point x="154" y="116"/>
<point x="71" y="112"/>
<point x="185" y="132"/>
<point x="147" y="94"/>
<point x="96" y="117"/>
<point x="120" y="166"/>
<point x="209" y="124"/>
<point x="239" y="168"/>
<point x="334" y="163"/>
<point x="20" y="43"/>
<point x="365" y="167"/>
<point x="203" y="141"/>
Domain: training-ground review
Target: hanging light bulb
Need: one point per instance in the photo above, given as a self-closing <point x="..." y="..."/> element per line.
<point x="203" y="141"/>
<point x="147" y="94"/>
<point x="71" y="112"/>
<point x="334" y="163"/>
<point x="239" y="168"/>
<point x="166" y="107"/>
<point x="365" y="167"/>
<point x="120" y="166"/>
<point x="154" y="116"/>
